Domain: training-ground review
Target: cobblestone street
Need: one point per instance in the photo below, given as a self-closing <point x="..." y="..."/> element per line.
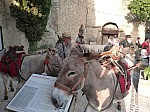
<point x="132" y="103"/>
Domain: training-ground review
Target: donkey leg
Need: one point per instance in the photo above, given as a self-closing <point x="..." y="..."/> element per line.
<point x="11" y="86"/>
<point x="5" y="80"/>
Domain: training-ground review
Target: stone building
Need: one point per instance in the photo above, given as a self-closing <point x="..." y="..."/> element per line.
<point x="68" y="15"/>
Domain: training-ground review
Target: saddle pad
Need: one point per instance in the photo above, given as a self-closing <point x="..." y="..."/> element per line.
<point x="10" y="68"/>
<point x="124" y="83"/>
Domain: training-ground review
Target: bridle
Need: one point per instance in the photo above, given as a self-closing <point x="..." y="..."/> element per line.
<point x="73" y="89"/>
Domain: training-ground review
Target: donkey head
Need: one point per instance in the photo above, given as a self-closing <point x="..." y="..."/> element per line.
<point x="72" y="75"/>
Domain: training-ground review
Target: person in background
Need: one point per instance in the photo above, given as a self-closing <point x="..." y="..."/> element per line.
<point x="116" y="40"/>
<point x="146" y="43"/>
<point x="138" y="43"/>
<point x="138" y="49"/>
<point x="63" y="45"/>
<point x="144" y="55"/>
<point x="126" y="42"/>
<point x="110" y="40"/>
<point x="80" y="38"/>
<point x="130" y="57"/>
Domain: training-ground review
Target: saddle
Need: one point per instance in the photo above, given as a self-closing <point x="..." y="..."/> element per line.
<point x="11" y="60"/>
<point x="124" y="78"/>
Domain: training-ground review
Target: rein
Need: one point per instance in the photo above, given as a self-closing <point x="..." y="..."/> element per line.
<point x="73" y="89"/>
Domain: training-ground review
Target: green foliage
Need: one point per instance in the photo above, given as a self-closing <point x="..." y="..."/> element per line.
<point x="140" y="8"/>
<point x="147" y="73"/>
<point x="31" y="17"/>
<point x="32" y="46"/>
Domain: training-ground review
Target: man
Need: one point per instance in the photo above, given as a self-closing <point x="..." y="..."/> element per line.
<point x="126" y="42"/>
<point x="63" y="45"/>
<point x="146" y="43"/>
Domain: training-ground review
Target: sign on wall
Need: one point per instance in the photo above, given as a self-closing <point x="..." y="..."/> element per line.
<point x="1" y="39"/>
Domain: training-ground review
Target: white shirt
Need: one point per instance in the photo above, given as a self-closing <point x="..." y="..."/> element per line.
<point x="143" y="53"/>
<point x="130" y="59"/>
<point x="116" y="41"/>
<point x="110" y="41"/>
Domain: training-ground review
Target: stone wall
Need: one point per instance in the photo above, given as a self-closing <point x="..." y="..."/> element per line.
<point x="65" y="15"/>
<point x="11" y="35"/>
<point x="68" y="15"/>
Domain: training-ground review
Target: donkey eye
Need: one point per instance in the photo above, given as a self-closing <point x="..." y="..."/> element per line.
<point x="71" y="73"/>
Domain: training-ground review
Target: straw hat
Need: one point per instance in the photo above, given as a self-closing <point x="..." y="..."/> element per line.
<point x="66" y="35"/>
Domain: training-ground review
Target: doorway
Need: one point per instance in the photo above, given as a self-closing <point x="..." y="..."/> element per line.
<point x="109" y="29"/>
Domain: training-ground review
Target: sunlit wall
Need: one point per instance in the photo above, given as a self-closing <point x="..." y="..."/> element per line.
<point x="115" y="11"/>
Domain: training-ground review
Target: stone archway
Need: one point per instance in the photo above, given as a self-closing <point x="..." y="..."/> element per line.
<point x="108" y="29"/>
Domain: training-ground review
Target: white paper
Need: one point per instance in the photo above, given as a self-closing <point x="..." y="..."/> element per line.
<point x="35" y="96"/>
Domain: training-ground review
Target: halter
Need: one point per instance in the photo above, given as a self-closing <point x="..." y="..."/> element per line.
<point x="73" y="89"/>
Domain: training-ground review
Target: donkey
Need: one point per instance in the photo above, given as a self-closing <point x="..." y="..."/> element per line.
<point x="22" y="67"/>
<point x="98" y="80"/>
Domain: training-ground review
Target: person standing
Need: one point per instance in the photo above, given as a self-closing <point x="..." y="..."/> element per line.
<point x="110" y="40"/>
<point x="116" y="40"/>
<point x="63" y="45"/>
<point x="147" y="44"/>
<point x="144" y="57"/>
<point x="138" y="43"/>
<point x="138" y="49"/>
<point x="126" y="42"/>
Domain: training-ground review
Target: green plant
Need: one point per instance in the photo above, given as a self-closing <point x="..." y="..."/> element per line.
<point x="140" y="10"/>
<point x="31" y="18"/>
<point x="147" y="73"/>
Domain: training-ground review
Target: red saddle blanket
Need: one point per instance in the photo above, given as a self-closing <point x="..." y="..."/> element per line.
<point x="8" y="66"/>
<point x="125" y="83"/>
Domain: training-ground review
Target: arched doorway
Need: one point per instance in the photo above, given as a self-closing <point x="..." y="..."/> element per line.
<point x="109" y="29"/>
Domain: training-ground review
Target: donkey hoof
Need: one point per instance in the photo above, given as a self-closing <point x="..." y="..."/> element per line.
<point x="12" y="90"/>
<point x="119" y="108"/>
<point x="5" y="97"/>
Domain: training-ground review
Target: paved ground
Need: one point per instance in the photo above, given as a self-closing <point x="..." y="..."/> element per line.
<point x="132" y="103"/>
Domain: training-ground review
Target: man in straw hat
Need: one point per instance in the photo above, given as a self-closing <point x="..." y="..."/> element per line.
<point x="63" y="45"/>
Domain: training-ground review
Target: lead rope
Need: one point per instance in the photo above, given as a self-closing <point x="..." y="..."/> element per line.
<point x="85" y="75"/>
<point x="75" y="103"/>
